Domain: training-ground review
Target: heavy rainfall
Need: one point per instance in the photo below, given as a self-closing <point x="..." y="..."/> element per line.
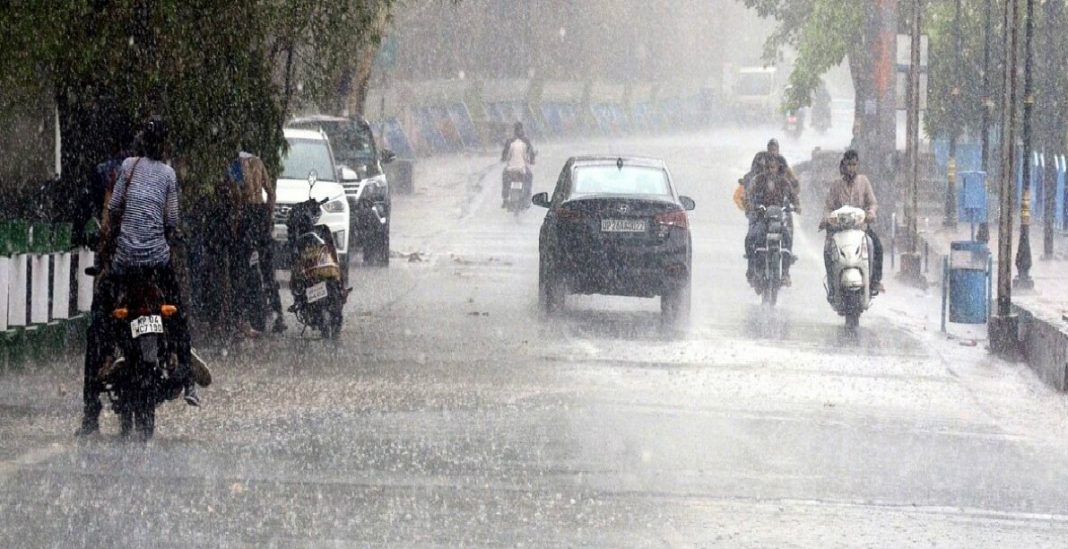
<point x="610" y="273"/>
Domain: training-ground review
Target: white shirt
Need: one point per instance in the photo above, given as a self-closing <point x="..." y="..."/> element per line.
<point x="517" y="156"/>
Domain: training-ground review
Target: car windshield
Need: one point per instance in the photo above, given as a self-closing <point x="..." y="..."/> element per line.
<point x="352" y="143"/>
<point x="305" y="155"/>
<point x="609" y="179"/>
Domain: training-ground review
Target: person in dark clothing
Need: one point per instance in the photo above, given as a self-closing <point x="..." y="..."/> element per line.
<point x="141" y="220"/>
<point x="770" y="188"/>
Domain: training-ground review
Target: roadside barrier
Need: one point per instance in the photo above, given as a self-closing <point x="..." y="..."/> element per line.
<point x="37" y="320"/>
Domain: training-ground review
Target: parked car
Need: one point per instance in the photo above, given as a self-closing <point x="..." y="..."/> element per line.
<point x="309" y="171"/>
<point x="615" y="226"/>
<point x="369" y="195"/>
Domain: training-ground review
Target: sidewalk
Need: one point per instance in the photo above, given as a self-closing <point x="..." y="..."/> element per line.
<point x="1043" y="311"/>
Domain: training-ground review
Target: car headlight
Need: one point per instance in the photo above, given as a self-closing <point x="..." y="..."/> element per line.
<point x="334" y="206"/>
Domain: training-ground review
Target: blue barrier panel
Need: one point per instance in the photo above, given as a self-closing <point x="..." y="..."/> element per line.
<point x="1062" y="167"/>
<point x="461" y="119"/>
<point x="447" y="128"/>
<point x="969" y="155"/>
<point x="619" y="121"/>
<point x="430" y="132"/>
<point x="396" y="139"/>
<point x="602" y="117"/>
<point x="551" y="112"/>
<point x="971" y="200"/>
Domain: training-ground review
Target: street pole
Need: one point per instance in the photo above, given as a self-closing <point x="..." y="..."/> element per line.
<point x="1023" y="252"/>
<point x="988" y="107"/>
<point x="1004" y="326"/>
<point x="911" y="264"/>
<point x="950" y="221"/>
<point x="1049" y="140"/>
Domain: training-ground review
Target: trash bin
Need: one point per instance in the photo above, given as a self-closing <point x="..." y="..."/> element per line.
<point x="968" y="274"/>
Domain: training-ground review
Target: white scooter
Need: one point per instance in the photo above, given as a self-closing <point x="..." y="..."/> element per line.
<point x="849" y="286"/>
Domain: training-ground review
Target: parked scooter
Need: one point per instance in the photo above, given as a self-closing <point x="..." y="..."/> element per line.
<point x="848" y="289"/>
<point x="767" y="277"/>
<point x="315" y="277"/>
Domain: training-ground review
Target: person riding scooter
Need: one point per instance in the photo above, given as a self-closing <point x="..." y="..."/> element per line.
<point x="855" y="190"/>
<point x="770" y="188"/>
<point x="518" y="156"/>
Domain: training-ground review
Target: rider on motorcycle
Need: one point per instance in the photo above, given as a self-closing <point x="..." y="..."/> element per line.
<point x="854" y="190"/>
<point x="144" y="214"/>
<point x="769" y="188"/>
<point x="518" y="155"/>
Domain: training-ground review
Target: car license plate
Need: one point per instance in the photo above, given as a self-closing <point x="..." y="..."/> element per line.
<point x="152" y="324"/>
<point x="623" y="225"/>
<point x="316" y="292"/>
<point x="517" y="185"/>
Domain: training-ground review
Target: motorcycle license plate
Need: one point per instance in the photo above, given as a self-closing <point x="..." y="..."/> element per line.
<point x="316" y="292"/>
<point x="152" y="324"/>
<point x="517" y="185"/>
<point x="623" y="225"/>
<point x="254" y="259"/>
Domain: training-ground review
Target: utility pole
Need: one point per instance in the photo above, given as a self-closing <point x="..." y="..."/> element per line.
<point x="950" y="221"/>
<point x="1023" y="252"/>
<point x="911" y="265"/>
<point x="1004" y="326"/>
<point x="988" y="108"/>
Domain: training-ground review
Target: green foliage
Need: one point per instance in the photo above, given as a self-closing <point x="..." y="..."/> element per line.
<point x="224" y="74"/>
<point x="823" y="32"/>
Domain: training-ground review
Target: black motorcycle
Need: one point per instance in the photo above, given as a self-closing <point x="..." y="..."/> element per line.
<point x="767" y="277"/>
<point x="315" y="280"/>
<point x="139" y="373"/>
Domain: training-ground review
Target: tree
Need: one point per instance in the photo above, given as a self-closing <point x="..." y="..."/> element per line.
<point x="225" y="75"/>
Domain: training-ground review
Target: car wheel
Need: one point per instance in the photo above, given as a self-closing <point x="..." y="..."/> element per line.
<point x="376" y="247"/>
<point x="675" y="306"/>
<point x="552" y="289"/>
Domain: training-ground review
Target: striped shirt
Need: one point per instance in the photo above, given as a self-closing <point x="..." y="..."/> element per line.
<point x="151" y="204"/>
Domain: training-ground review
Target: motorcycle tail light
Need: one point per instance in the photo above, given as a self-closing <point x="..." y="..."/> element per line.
<point x="168" y="310"/>
<point x="121" y="313"/>
<point x="676" y="218"/>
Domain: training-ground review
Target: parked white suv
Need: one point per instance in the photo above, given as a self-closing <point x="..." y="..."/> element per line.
<point x="309" y="154"/>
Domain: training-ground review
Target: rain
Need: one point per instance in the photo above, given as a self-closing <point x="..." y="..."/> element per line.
<point x="553" y="273"/>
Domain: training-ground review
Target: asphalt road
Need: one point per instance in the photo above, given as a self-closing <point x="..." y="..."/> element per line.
<point x="453" y="415"/>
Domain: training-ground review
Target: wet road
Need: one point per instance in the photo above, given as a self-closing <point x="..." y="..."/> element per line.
<point x="454" y="415"/>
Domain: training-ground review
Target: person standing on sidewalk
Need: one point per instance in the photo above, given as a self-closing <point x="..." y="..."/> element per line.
<point x="252" y="274"/>
<point x="854" y="189"/>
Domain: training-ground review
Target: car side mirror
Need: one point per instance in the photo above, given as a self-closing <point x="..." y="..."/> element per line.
<point x="687" y="203"/>
<point x="347" y="174"/>
<point x="540" y="199"/>
<point x="387" y="156"/>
